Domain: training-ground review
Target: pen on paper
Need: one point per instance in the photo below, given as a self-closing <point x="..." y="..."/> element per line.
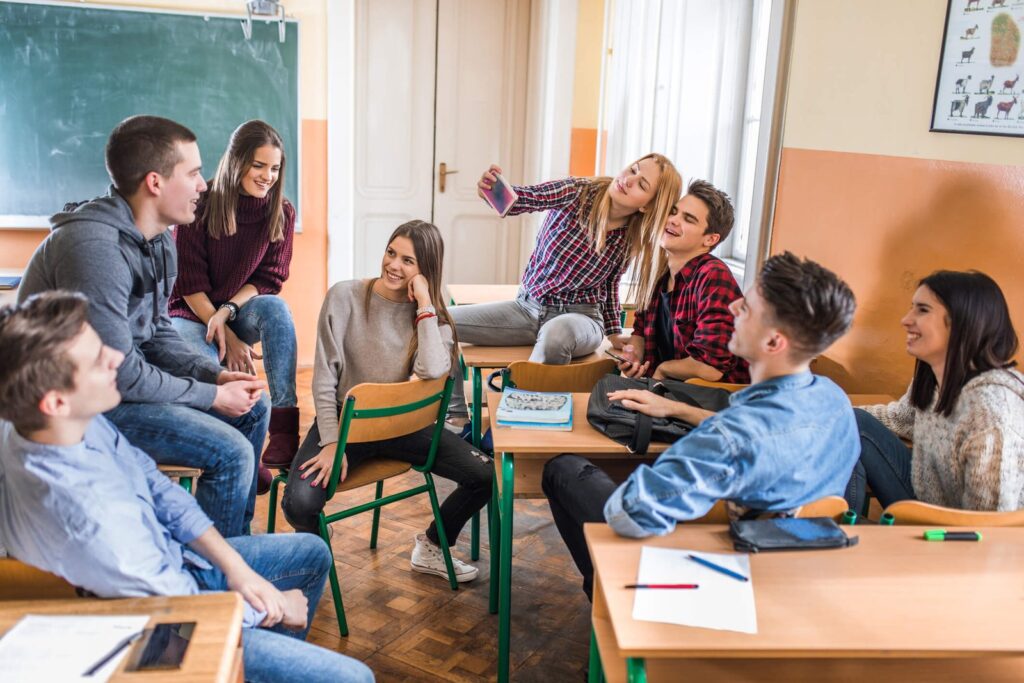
<point x="113" y="653"/>
<point x="718" y="568"/>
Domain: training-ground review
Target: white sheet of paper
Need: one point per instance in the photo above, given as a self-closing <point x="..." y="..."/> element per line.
<point x="62" y="648"/>
<point x="721" y="602"/>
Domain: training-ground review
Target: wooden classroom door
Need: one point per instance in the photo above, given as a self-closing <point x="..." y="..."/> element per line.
<point x="440" y="86"/>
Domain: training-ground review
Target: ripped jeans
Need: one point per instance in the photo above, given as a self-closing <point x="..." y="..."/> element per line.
<point x="577" y="490"/>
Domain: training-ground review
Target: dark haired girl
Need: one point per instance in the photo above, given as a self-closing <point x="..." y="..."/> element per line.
<point x="964" y="410"/>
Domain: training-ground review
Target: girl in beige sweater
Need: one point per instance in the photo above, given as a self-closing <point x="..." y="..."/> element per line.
<point x="964" y="410"/>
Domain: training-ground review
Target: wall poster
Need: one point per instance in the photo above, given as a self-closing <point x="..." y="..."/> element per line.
<point x="978" y="89"/>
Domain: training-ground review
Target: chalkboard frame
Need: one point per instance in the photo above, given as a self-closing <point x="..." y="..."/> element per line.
<point x="35" y="222"/>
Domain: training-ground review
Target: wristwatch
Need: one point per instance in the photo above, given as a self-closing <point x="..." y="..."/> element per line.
<point x="232" y="310"/>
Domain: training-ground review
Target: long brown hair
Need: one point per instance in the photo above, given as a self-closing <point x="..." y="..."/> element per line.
<point x="222" y="201"/>
<point x="641" y="227"/>
<point x="428" y="246"/>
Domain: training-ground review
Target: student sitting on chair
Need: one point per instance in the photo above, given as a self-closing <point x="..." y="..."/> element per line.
<point x="788" y="439"/>
<point x="964" y="410"/>
<point x="683" y="330"/>
<point x="78" y="500"/>
<point x="179" y="406"/>
<point x="384" y="330"/>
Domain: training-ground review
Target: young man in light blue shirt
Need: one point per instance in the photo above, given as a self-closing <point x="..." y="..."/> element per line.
<point x="785" y="441"/>
<point x="78" y="500"/>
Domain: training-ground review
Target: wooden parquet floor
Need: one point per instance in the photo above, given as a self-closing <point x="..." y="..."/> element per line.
<point x="411" y="627"/>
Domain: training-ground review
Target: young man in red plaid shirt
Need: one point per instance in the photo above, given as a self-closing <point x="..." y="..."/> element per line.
<point x="684" y="329"/>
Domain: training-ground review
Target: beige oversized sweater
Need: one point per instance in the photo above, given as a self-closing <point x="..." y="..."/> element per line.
<point x="354" y="345"/>
<point x="973" y="459"/>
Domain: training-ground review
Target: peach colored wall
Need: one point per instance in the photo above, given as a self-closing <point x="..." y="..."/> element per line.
<point x="868" y="191"/>
<point x="308" y="282"/>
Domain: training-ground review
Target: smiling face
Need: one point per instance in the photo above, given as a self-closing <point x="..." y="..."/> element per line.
<point x="263" y="172"/>
<point x="398" y="267"/>
<point x="634" y="188"/>
<point x="684" y="232"/>
<point x="96" y="365"/>
<point x="927" y="326"/>
<point x="179" y="192"/>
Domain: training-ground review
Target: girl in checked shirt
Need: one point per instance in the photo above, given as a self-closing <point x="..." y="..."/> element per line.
<point x="569" y="297"/>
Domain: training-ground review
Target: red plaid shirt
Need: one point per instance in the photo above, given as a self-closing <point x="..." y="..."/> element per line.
<point x="700" y="298"/>
<point x="564" y="268"/>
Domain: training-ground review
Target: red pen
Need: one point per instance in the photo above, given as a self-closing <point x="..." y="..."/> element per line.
<point x="662" y="585"/>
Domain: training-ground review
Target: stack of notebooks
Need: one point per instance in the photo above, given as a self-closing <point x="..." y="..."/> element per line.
<point x="520" y="409"/>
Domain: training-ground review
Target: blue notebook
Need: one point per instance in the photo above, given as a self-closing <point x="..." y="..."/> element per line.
<point x="10" y="281"/>
<point x="534" y="409"/>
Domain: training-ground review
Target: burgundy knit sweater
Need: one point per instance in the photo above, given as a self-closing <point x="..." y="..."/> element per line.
<point x="220" y="267"/>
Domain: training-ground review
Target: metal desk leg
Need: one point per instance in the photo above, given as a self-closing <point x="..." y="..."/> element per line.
<point x="595" y="674"/>
<point x="636" y="670"/>
<point x="505" y="589"/>
<point x="478" y="397"/>
<point x="494" y="539"/>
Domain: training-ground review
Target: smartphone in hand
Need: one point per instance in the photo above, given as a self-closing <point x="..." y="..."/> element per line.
<point x="501" y="196"/>
<point x="617" y="357"/>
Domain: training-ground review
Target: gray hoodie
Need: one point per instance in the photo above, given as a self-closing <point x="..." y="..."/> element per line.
<point x="95" y="248"/>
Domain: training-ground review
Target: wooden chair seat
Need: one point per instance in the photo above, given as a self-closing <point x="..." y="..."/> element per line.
<point x="373" y="470"/>
<point x="914" y="512"/>
<point x="179" y="471"/>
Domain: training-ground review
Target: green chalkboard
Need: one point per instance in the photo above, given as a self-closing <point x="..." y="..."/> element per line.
<point x="69" y="74"/>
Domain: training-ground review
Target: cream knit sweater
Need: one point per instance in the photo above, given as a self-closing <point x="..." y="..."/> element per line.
<point x="973" y="459"/>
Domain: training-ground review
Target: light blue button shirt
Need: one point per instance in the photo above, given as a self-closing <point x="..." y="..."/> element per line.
<point x="780" y="444"/>
<point x="100" y="514"/>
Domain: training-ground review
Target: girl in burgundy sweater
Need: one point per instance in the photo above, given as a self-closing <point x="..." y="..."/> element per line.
<point x="232" y="262"/>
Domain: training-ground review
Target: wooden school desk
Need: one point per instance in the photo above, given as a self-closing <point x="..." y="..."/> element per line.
<point x="481" y="294"/>
<point x="214" y="653"/>
<point x="531" y="448"/>
<point x="892" y="608"/>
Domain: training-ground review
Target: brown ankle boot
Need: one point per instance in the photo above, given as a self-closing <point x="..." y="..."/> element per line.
<point x="284" y="437"/>
<point x="263" y="480"/>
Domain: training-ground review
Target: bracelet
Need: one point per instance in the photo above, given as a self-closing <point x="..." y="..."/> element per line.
<point x="426" y="309"/>
<point x="424" y="316"/>
<point x="232" y="309"/>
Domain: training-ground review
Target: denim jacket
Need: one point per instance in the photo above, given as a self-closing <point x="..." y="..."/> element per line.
<point x="780" y="444"/>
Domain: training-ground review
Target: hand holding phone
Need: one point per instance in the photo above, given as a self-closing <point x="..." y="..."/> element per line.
<point x="629" y="366"/>
<point x="496" y="191"/>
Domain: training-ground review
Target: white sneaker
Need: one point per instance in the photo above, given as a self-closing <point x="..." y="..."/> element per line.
<point x="427" y="558"/>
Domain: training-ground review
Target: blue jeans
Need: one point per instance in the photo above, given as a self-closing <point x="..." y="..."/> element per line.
<point x="884" y="465"/>
<point x="278" y="654"/>
<point x="267" y="320"/>
<point x="225" y="448"/>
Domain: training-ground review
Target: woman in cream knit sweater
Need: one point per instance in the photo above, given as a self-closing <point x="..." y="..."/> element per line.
<point x="964" y="410"/>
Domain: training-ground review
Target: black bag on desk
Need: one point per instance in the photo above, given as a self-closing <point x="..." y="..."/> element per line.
<point x="635" y="430"/>
<point x="788" y="533"/>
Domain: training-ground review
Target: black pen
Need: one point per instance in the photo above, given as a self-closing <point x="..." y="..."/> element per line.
<point x="113" y="653"/>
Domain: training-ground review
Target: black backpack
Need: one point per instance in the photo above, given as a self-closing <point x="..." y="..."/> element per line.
<point x="635" y="430"/>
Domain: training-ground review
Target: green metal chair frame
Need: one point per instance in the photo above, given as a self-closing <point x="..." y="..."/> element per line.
<point x="350" y="411"/>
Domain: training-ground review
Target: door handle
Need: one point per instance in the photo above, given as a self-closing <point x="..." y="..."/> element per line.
<point x="442" y="173"/>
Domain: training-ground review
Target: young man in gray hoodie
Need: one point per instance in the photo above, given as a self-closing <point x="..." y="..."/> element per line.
<point x="179" y="406"/>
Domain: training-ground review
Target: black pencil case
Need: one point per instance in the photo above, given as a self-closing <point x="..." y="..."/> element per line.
<point x="788" y="533"/>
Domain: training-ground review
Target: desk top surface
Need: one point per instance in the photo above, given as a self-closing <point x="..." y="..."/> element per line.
<point x="482" y="294"/>
<point x="211" y="652"/>
<point x="894" y="594"/>
<point x="582" y="439"/>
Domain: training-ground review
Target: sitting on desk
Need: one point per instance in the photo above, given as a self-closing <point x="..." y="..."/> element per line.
<point x="178" y="405"/>
<point x="787" y="440"/>
<point x="964" y="409"/>
<point x="683" y="330"/>
<point x="78" y="500"/>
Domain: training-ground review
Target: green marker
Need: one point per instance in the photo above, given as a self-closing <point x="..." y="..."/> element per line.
<point x="887" y="519"/>
<point x="849" y="518"/>
<point x="943" y="535"/>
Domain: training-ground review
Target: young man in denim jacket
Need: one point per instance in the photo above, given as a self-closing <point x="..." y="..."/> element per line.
<point x="788" y="439"/>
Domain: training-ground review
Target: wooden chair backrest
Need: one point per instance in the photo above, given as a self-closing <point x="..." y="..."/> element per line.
<point x="914" y="512"/>
<point x="728" y="386"/>
<point x="576" y="377"/>
<point x="372" y="396"/>
<point x="20" y="581"/>
<point x="829" y="506"/>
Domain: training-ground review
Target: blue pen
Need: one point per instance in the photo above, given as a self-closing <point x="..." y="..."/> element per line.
<point x="718" y="568"/>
